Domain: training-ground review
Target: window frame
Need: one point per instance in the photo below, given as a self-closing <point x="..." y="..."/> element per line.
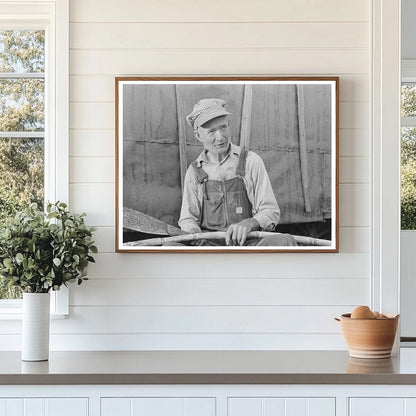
<point x="385" y="156"/>
<point x="53" y="17"/>
<point x="408" y="75"/>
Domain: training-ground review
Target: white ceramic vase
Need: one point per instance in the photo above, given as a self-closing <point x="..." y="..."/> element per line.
<point x="35" y="326"/>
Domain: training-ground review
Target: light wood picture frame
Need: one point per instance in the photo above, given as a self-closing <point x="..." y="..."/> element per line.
<point x="289" y="125"/>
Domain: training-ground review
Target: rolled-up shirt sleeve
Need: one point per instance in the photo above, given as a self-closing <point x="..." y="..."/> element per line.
<point x="266" y="211"/>
<point x="191" y="205"/>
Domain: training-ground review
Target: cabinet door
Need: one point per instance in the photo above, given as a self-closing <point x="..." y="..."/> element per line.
<point x="377" y="407"/>
<point x="160" y="406"/>
<point x="382" y="406"/>
<point x="44" y="407"/>
<point x="270" y="406"/>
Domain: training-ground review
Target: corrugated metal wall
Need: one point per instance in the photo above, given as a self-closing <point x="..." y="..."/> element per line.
<point x="152" y="177"/>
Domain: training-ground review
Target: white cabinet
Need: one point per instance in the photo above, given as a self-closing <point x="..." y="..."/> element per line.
<point x="270" y="406"/>
<point x="160" y="406"/>
<point x="208" y="400"/>
<point x="382" y="406"/>
<point x="44" y="407"/>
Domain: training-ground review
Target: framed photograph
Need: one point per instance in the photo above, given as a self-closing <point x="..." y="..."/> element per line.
<point x="235" y="164"/>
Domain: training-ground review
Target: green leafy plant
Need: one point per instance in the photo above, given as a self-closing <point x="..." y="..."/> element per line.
<point x="43" y="251"/>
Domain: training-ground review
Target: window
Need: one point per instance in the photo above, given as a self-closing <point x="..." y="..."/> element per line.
<point x="408" y="153"/>
<point x="33" y="111"/>
<point x="22" y="124"/>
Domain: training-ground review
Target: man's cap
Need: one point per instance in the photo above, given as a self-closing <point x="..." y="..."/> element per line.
<point x="205" y="110"/>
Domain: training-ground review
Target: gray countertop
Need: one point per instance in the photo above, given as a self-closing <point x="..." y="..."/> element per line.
<point x="207" y="367"/>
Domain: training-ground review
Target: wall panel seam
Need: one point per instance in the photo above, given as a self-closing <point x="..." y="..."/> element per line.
<point x="241" y="22"/>
<point x="225" y="22"/>
<point x="233" y="49"/>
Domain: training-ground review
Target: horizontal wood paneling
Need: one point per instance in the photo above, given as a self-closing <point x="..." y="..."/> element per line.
<point x="92" y="88"/>
<point x="354" y="115"/>
<point x="146" y="342"/>
<point x="266" y="265"/>
<point x="92" y="169"/>
<point x="221" y="35"/>
<point x="354" y="239"/>
<point x="354" y="208"/>
<point x="194" y="320"/>
<point x="93" y="143"/>
<point x="99" y="88"/>
<point x="92" y="115"/>
<point x="245" y="10"/>
<point x="354" y="88"/>
<point x="220" y="291"/>
<point x="200" y="319"/>
<point x="354" y="170"/>
<point x="105" y="239"/>
<point x="219" y="62"/>
<point x="96" y="199"/>
<point x="354" y="142"/>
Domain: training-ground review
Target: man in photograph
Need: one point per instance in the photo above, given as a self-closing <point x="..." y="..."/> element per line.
<point x="227" y="187"/>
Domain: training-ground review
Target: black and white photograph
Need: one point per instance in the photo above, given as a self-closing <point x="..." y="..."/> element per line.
<point x="234" y="164"/>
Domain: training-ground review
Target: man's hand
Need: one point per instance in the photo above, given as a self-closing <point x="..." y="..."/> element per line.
<point x="193" y="229"/>
<point x="236" y="234"/>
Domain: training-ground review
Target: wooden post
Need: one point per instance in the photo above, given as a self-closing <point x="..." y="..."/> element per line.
<point x="302" y="147"/>
<point x="180" y="110"/>
<point x="246" y="116"/>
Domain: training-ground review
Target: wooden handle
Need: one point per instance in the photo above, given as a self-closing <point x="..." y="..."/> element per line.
<point x="216" y="235"/>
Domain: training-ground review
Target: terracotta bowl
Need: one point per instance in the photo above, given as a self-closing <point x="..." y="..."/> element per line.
<point x="369" y="338"/>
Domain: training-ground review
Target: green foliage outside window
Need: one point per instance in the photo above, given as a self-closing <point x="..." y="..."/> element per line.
<point x="408" y="160"/>
<point x="21" y="110"/>
<point x="21" y="174"/>
<point x="408" y="103"/>
<point x="408" y="202"/>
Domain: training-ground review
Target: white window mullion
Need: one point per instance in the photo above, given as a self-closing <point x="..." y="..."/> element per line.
<point x="22" y="75"/>
<point x="408" y="121"/>
<point x="22" y="134"/>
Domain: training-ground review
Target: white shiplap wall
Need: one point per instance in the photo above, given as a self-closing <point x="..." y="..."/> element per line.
<point x="253" y="301"/>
